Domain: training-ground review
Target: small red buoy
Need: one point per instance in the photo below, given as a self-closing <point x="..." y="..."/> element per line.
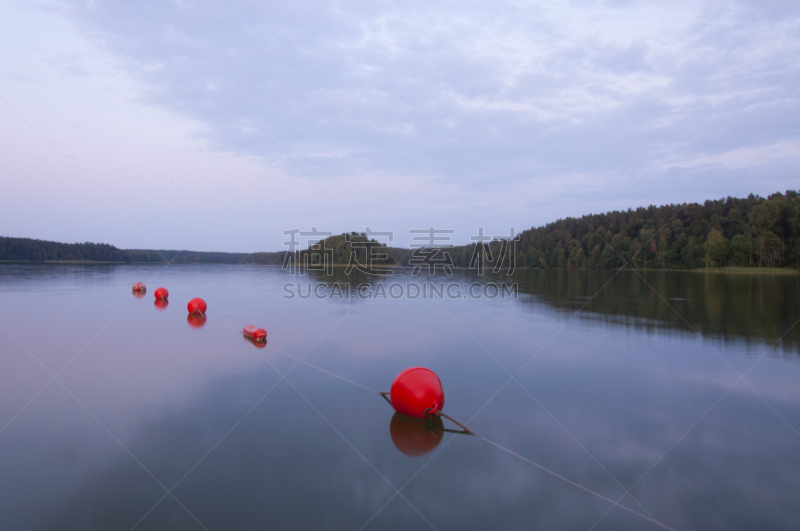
<point x="415" y="437"/>
<point x="161" y="304"/>
<point x="417" y="392"/>
<point x="161" y="294"/>
<point x="256" y="334"/>
<point x="196" y="320"/>
<point x="197" y="305"/>
<point x="139" y="287"/>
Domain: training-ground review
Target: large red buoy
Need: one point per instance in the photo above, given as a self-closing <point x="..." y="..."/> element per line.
<point x="417" y="392"/>
<point x="256" y="334"/>
<point x="197" y="305"/>
<point x="196" y="320"/>
<point x="139" y="286"/>
<point x="161" y="294"/>
<point x="415" y="437"/>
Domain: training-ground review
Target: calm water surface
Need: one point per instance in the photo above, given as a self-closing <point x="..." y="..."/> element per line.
<point x="151" y="423"/>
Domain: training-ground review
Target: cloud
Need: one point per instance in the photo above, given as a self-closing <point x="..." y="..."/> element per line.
<point x="616" y="103"/>
<point x="461" y="84"/>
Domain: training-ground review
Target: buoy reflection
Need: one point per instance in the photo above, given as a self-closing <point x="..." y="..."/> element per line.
<point x="257" y="344"/>
<point x="196" y="320"/>
<point x="138" y="294"/>
<point x="415" y="437"/>
<point x="161" y="304"/>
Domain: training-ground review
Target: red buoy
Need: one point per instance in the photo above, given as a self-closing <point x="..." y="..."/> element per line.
<point x="197" y="305"/>
<point x="256" y="334"/>
<point x="161" y="294"/>
<point x="139" y="287"/>
<point x="161" y="304"/>
<point x="196" y="320"/>
<point x="415" y="437"/>
<point x="417" y="392"/>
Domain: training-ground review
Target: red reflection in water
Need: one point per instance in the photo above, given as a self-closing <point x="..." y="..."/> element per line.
<point x="257" y="344"/>
<point x="161" y="304"/>
<point x="196" y="320"/>
<point x="139" y="294"/>
<point x="414" y="436"/>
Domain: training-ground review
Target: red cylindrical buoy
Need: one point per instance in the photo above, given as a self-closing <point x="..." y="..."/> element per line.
<point x="161" y="304"/>
<point x="256" y="334"/>
<point x="415" y="437"/>
<point x="197" y="305"/>
<point x="161" y="294"/>
<point x="417" y="392"/>
<point x="196" y="320"/>
<point x="139" y="286"/>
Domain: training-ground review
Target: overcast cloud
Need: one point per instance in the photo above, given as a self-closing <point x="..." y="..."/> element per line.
<point x="395" y="116"/>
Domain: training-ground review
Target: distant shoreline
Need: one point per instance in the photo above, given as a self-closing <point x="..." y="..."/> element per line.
<point x="732" y="233"/>
<point x="732" y="270"/>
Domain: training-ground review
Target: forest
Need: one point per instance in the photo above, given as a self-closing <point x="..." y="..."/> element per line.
<point x="744" y="232"/>
<point x="183" y="257"/>
<point x="39" y="251"/>
<point x="748" y="232"/>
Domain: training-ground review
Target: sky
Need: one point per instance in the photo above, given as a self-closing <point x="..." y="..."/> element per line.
<point x="218" y="126"/>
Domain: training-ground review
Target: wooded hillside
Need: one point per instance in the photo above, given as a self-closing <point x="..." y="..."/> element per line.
<point x="753" y="231"/>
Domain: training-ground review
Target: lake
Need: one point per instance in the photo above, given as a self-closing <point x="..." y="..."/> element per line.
<point x="673" y="394"/>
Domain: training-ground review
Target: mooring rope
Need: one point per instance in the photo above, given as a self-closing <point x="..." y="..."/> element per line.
<point x="440" y="413"/>
<point x="466" y="430"/>
<point x="317" y="367"/>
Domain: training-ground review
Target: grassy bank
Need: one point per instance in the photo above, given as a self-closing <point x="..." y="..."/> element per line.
<point x="749" y="270"/>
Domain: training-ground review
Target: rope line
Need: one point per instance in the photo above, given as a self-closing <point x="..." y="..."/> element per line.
<point x="440" y="413"/>
<point x="466" y="430"/>
<point x="585" y="489"/>
<point x="317" y="367"/>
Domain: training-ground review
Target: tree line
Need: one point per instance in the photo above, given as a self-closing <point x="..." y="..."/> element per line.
<point x="26" y="249"/>
<point x="745" y="232"/>
<point x="752" y="231"/>
<point x="40" y="251"/>
<point x="183" y="257"/>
